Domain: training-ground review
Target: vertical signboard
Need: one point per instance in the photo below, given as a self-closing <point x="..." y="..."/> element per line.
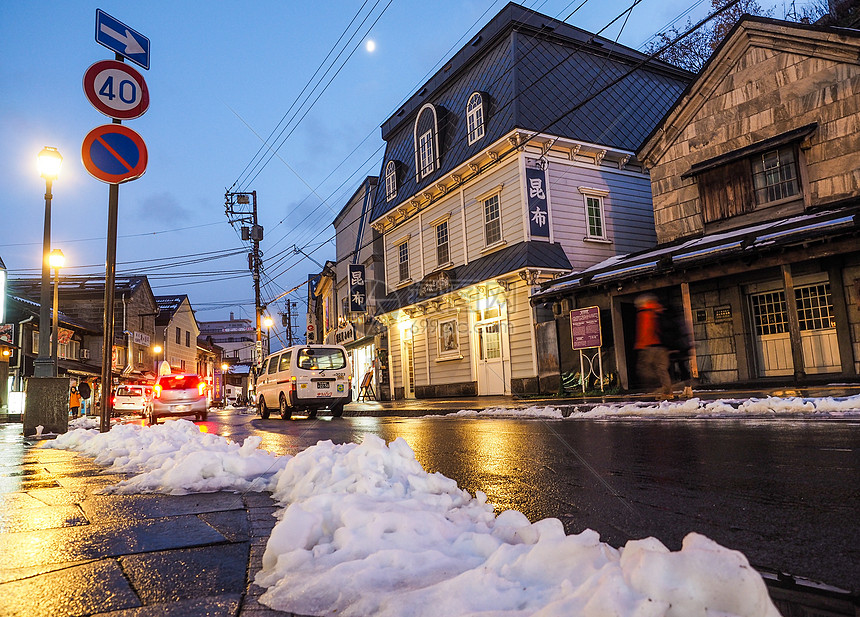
<point x="357" y="289"/>
<point x="538" y="202"/>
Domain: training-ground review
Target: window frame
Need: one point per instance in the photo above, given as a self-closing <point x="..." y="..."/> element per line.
<point x="432" y="144"/>
<point x="390" y="180"/>
<point x="764" y="172"/>
<point x="475" y="118"/>
<point x="426" y="162"/>
<point x="442" y="245"/>
<point x="497" y="196"/>
<point x="600" y="196"/>
<point x="403" y="250"/>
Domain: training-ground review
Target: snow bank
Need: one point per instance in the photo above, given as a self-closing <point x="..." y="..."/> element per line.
<point x="366" y="531"/>
<point x="772" y="406"/>
<point x="175" y="458"/>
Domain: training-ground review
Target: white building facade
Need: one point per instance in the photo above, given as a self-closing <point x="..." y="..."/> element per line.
<point x="499" y="175"/>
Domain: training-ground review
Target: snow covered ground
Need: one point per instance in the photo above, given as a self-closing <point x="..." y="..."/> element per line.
<point x="772" y="406"/>
<point x="364" y="530"/>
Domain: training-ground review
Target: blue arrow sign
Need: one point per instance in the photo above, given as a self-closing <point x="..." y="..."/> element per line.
<point x="118" y="37"/>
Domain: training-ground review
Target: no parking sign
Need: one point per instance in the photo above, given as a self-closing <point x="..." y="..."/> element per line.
<point x="114" y="153"/>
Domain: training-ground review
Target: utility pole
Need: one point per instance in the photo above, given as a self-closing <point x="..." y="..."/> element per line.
<point x="287" y="322"/>
<point x="241" y="209"/>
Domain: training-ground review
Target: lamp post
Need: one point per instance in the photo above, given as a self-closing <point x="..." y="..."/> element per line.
<point x="56" y="260"/>
<point x="49" y="168"/>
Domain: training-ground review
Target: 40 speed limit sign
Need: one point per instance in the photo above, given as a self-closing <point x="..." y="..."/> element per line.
<point x="116" y="89"/>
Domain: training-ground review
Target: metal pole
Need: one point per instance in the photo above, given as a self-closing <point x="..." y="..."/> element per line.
<point x="43" y="365"/>
<point x="55" y="338"/>
<point x="258" y="346"/>
<point x="110" y="283"/>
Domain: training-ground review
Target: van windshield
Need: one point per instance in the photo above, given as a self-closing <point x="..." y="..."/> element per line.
<point x="321" y="359"/>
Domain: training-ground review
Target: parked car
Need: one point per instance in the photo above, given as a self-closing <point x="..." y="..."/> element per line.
<point x="305" y="377"/>
<point x="130" y="398"/>
<point x="177" y="395"/>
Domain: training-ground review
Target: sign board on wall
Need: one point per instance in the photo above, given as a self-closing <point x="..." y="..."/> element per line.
<point x="585" y="328"/>
<point x="536" y="192"/>
<point x="357" y="289"/>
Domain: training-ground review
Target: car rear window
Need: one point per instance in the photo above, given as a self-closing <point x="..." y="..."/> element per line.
<point x="179" y="382"/>
<point x="319" y="359"/>
<point x="122" y="391"/>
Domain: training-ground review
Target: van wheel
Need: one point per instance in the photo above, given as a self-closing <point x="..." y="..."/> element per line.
<point x="286" y="410"/>
<point x="312" y="413"/>
<point x="262" y="409"/>
<point x="337" y="409"/>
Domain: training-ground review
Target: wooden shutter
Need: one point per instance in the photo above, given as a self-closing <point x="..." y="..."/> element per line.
<point x="726" y="191"/>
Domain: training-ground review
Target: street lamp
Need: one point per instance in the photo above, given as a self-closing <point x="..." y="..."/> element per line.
<point x="49" y="168"/>
<point x="56" y="260"/>
<point x="156" y="349"/>
<point x="268" y="322"/>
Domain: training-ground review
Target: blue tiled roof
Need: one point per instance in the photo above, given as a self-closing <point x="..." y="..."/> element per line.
<point x="534" y="71"/>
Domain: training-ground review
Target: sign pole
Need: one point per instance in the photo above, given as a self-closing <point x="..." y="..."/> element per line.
<point x="110" y="284"/>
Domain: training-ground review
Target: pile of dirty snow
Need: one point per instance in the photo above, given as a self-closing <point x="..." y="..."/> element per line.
<point x="364" y="530"/>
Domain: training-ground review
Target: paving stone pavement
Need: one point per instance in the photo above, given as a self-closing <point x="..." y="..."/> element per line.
<point x="66" y="550"/>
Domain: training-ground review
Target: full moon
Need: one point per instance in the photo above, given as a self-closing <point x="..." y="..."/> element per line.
<point x="370" y="45"/>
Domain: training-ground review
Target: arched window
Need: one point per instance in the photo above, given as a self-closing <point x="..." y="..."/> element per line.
<point x="426" y="142"/>
<point x="390" y="180"/>
<point x="475" y="117"/>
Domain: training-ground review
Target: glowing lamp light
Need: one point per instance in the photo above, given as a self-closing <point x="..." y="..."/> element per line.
<point x="268" y="322"/>
<point x="157" y="349"/>
<point x="225" y="367"/>
<point x="56" y="259"/>
<point x="50" y="162"/>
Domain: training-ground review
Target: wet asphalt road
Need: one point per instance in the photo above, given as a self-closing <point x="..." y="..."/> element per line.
<point x="785" y="493"/>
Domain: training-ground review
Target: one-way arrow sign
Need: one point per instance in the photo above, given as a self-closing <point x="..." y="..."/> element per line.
<point x="118" y="37"/>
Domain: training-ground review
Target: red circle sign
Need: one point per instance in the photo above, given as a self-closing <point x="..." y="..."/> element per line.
<point x="116" y="89"/>
<point x="113" y="153"/>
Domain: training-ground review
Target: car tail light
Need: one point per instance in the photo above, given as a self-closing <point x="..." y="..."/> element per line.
<point x="113" y="402"/>
<point x="156" y="391"/>
<point x="293" y="387"/>
<point x="201" y="387"/>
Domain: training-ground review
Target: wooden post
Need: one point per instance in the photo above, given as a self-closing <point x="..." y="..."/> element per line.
<point x="688" y="322"/>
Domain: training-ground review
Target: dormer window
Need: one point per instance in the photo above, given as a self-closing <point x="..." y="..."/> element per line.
<point x="426" y="142"/>
<point x="390" y="180"/>
<point x="475" y="117"/>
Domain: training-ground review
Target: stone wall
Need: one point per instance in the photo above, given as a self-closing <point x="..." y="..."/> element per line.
<point x="778" y="82"/>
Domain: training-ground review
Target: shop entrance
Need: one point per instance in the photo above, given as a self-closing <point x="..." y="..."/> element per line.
<point x="491" y="377"/>
<point x="772" y="339"/>
<point x="408" y="356"/>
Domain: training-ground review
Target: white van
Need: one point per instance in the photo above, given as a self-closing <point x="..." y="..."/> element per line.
<point x="305" y="377"/>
